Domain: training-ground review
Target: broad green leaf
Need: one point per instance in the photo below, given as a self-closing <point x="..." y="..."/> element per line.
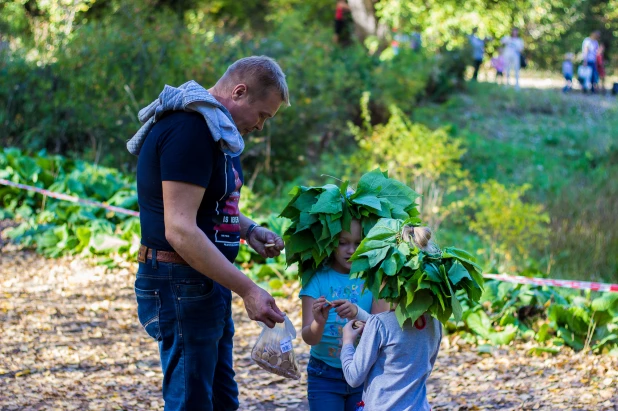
<point x="503" y="337"/>
<point x="456" y="306"/>
<point x="543" y="334"/>
<point x="376" y="256"/>
<point x="607" y="302"/>
<point x="420" y="304"/>
<point x="359" y="265"/>
<point x="299" y="242"/>
<point x="306" y="199"/>
<point x="571" y="338"/>
<point x="105" y="243"/>
<point x="329" y="202"/>
<point x="389" y="266"/>
<point x="457" y="272"/>
<point x="433" y="273"/>
<point x="305" y="221"/>
<point x="478" y="322"/>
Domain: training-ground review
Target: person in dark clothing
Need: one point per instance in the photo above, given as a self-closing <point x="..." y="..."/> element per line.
<point x="342" y="29"/>
<point x="189" y="180"/>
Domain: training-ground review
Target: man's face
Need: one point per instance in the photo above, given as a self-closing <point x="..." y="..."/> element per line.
<point x="251" y="114"/>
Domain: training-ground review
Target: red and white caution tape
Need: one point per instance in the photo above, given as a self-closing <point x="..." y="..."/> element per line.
<point x="576" y="285"/>
<point x="72" y="199"/>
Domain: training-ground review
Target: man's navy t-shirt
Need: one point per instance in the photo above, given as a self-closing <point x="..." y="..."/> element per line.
<point x="180" y="147"/>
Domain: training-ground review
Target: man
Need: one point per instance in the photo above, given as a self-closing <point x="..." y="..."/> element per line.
<point x="188" y="181"/>
<point x="590" y="49"/>
<point x="478" y="51"/>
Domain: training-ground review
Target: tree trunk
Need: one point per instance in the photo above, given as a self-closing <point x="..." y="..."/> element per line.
<point x="365" y="20"/>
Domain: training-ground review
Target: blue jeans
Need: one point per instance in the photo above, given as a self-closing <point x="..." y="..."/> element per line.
<point x="190" y="316"/>
<point x="328" y="389"/>
<point x="595" y="73"/>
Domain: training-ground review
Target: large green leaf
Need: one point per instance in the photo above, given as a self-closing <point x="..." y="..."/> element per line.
<point x="457" y="272"/>
<point x="329" y="202"/>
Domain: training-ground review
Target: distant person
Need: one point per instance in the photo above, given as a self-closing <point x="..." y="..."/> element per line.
<point x="590" y="50"/>
<point x="400" y="41"/>
<point x="584" y="76"/>
<point x="342" y="31"/>
<point x="513" y="48"/>
<point x="478" y="51"/>
<point x="567" y="72"/>
<point x="498" y="64"/>
<point x="601" y="68"/>
<point x="416" y="42"/>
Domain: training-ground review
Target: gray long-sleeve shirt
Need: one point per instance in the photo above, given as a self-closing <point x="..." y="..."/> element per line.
<point x="394" y="364"/>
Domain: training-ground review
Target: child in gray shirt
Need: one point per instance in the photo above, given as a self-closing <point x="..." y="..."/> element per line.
<point x="394" y="364"/>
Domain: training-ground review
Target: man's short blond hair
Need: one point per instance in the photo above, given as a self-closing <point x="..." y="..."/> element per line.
<point x="261" y="73"/>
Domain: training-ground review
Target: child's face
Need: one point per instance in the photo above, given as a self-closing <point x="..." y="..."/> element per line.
<point x="348" y="243"/>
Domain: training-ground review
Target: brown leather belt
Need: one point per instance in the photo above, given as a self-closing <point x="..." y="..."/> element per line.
<point x="145" y="253"/>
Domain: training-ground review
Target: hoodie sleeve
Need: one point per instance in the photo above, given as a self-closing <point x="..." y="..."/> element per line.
<point x="356" y="363"/>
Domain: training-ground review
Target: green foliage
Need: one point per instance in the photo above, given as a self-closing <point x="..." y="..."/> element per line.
<point x="415" y="154"/>
<point x="396" y="270"/>
<point x="549" y="28"/>
<point x="82" y="99"/>
<point x="551" y="316"/>
<point x="319" y="214"/>
<point x="59" y="227"/>
<point x="561" y="146"/>
<point x="502" y="219"/>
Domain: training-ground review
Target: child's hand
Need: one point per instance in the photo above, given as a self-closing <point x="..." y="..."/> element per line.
<point x="350" y="333"/>
<point x="345" y="309"/>
<point x="320" y="310"/>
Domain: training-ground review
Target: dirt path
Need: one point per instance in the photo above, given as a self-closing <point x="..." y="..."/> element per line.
<point x="70" y="340"/>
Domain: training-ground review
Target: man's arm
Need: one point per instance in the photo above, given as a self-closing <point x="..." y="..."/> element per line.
<point x="180" y="204"/>
<point x="262" y="240"/>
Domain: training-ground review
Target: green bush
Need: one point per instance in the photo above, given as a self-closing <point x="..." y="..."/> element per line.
<point x="83" y="98"/>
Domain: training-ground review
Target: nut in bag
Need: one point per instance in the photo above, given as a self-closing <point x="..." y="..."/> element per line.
<point x="274" y="351"/>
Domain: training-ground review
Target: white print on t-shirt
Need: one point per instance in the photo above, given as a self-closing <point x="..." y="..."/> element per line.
<point x="227" y="224"/>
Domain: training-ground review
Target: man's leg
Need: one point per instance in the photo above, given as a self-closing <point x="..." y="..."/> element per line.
<point x="594" y="79"/>
<point x="517" y="66"/>
<point x="225" y="389"/>
<point x="192" y="323"/>
<point x="477" y="66"/>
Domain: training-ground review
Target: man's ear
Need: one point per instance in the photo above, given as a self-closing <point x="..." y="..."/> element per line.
<point x="239" y="92"/>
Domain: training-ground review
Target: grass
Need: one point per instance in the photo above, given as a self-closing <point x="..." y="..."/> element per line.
<point x="565" y="146"/>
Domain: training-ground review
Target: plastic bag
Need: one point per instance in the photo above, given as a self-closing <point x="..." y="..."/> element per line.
<point x="274" y="351"/>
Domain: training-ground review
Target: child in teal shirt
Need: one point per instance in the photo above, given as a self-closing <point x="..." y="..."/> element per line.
<point x="330" y="300"/>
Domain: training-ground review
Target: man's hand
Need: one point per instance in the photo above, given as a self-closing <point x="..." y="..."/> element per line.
<point x="261" y="306"/>
<point x="350" y="334"/>
<point x="320" y="310"/>
<point x="265" y="242"/>
<point x="345" y="309"/>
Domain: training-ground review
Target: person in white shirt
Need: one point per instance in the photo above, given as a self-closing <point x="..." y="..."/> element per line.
<point x="590" y="49"/>
<point x="513" y="47"/>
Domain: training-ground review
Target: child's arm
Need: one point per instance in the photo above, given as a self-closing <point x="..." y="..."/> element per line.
<point x="377" y="307"/>
<point x="356" y="363"/>
<point x="315" y="314"/>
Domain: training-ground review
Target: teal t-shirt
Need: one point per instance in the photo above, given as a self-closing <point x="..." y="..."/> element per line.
<point x="335" y="286"/>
